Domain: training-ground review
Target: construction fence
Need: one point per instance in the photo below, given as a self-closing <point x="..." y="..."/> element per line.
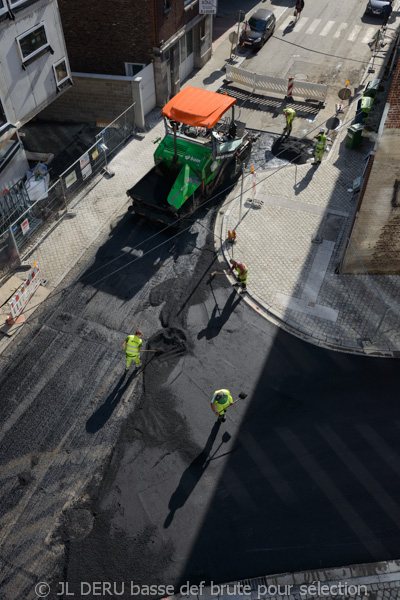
<point x="24" y="221"/>
<point x="288" y="88"/>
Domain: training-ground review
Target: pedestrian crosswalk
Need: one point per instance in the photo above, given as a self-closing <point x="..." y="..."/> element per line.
<point x="339" y="31"/>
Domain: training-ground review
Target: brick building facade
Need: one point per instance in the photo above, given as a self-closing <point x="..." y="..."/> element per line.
<point x="376" y="231"/>
<point x="119" y="38"/>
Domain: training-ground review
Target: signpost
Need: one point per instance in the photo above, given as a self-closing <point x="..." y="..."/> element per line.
<point x="344" y="94"/>
<point x="240" y="16"/>
<point x="233" y="38"/>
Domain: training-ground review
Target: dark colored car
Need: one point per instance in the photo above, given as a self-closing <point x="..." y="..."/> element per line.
<point x="258" y="29"/>
<point x="375" y="7"/>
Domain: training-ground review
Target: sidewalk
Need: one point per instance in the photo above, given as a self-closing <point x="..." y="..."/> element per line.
<point x="291" y="278"/>
<point x="374" y="581"/>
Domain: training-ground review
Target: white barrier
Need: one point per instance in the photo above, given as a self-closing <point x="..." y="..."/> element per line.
<point x="265" y="83"/>
<point x="24" y="292"/>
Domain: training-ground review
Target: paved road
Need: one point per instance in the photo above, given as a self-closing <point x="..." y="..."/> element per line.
<point x="120" y="480"/>
<point x="328" y="44"/>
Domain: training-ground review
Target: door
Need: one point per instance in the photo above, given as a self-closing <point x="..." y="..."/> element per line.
<point x="186" y="55"/>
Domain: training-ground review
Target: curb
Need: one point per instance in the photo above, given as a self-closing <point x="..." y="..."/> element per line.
<point x="321" y="583"/>
<point x="278" y="318"/>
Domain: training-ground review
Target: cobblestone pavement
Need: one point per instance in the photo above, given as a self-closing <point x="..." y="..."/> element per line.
<point x="374" y="581"/>
<point x="97" y="206"/>
<point x="293" y="277"/>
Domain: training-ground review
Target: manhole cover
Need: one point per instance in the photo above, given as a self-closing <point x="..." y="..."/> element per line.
<point x="78" y="523"/>
<point x="333" y="123"/>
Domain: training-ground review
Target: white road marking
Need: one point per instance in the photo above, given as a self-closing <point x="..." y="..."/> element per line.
<point x="346" y="508"/>
<point x="368" y="36"/>
<point x="286" y="23"/>
<point x="354" y="33"/>
<point x="313" y="26"/>
<point x="308" y="302"/>
<point x="300" y="24"/>
<point x="339" y="30"/>
<point x="327" y="28"/>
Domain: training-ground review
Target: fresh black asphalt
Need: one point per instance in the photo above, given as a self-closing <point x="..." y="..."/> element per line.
<point x="303" y="474"/>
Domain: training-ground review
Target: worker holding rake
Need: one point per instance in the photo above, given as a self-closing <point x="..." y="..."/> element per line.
<point x="132" y="346"/>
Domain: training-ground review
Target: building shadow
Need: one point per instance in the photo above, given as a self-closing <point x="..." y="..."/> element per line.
<point x="192" y="475"/>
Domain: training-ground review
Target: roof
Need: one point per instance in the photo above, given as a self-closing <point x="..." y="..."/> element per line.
<point x="197" y="107"/>
<point x="262" y="14"/>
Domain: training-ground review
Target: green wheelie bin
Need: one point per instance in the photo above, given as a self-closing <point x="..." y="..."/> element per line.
<point x="354" y="135"/>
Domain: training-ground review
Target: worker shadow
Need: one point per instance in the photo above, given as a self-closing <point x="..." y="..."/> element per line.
<point x="289" y="28"/>
<point x="192" y="475"/>
<point x="217" y="321"/>
<point x="104" y="412"/>
<point x="303" y="183"/>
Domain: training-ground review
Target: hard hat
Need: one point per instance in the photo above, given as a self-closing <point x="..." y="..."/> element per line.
<point x="322" y="130"/>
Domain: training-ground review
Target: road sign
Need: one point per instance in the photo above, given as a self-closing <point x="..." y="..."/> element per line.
<point x="240" y="15"/>
<point x="208" y="7"/>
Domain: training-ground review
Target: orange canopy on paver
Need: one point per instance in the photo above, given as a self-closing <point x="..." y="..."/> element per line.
<point x="197" y="107"/>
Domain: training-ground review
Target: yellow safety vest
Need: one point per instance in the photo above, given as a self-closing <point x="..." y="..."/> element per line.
<point x="290" y="114"/>
<point x="133" y="344"/>
<point x="321" y="142"/>
<point x="226" y="401"/>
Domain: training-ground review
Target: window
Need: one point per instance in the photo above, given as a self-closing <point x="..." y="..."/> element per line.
<point x="32" y="42"/>
<point x="3" y="118"/>
<point x="186" y="45"/>
<point x="3" y="7"/>
<point x="132" y="69"/>
<point x="8" y="149"/>
<point x="61" y="72"/>
<point x="14" y="3"/>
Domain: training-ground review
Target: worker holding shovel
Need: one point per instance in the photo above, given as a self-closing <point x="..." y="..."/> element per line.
<point x="220" y="403"/>
<point x="242" y="271"/>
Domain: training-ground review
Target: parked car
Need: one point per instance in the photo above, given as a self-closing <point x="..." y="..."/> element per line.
<point x="375" y="7"/>
<point x="258" y="29"/>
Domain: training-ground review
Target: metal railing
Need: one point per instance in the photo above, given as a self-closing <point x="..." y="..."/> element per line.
<point x="21" y="219"/>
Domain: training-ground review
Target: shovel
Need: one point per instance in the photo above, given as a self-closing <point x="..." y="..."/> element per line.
<point x="242" y="396"/>
<point x="217" y="273"/>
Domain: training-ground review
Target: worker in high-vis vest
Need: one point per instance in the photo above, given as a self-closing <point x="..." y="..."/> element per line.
<point x="132" y="345"/>
<point x="290" y="114"/>
<point x="241" y="273"/>
<point x="320" y="147"/>
<point x="220" y="403"/>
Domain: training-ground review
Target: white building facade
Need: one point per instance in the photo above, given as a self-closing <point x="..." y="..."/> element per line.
<point x="34" y="70"/>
